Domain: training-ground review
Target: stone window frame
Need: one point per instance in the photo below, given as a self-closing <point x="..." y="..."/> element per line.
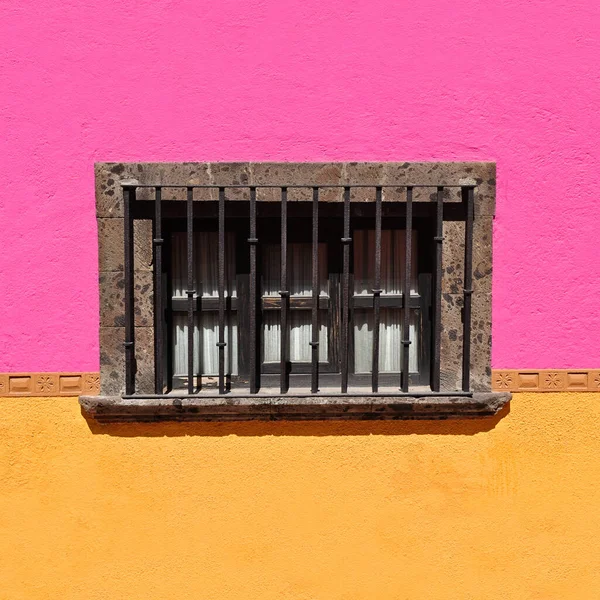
<point x="110" y="405"/>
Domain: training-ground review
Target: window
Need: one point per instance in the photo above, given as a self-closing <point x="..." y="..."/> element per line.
<point x="391" y="317"/>
<point x="206" y="295"/>
<point x="299" y="265"/>
<point x="377" y="286"/>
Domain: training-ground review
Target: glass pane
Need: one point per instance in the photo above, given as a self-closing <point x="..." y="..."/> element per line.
<point x="392" y="261"/>
<point x="299" y="269"/>
<point x="205" y="340"/>
<point x="206" y="264"/>
<point x="300" y="336"/>
<point x="390" y="341"/>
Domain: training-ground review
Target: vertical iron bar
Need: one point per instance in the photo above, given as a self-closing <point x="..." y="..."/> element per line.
<point x="376" y="292"/>
<point x="468" y="290"/>
<point x="221" y="343"/>
<point x="345" y="339"/>
<point x="406" y="291"/>
<point x="158" y="294"/>
<point x="437" y="323"/>
<point x="130" y="366"/>
<point x="314" y="384"/>
<point x="284" y="294"/>
<point x="253" y="241"/>
<point x="191" y="292"/>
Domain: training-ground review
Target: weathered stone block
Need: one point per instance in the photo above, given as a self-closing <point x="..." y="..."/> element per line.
<point x="112" y="360"/>
<point x="112" y="299"/>
<point x="111" y="245"/>
<point x="144" y="354"/>
<point x="142" y="245"/>
<point x="114" y="409"/>
<point x="453" y="256"/>
<point x="419" y="174"/>
<point x="298" y="174"/>
<point x="167" y="174"/>
<point x="451" y="347"/>
<point x="109" y="194"/>
<point x="231" y="174"/>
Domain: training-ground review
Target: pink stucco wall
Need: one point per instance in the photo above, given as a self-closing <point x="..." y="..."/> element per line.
<point x="513" y="81"/>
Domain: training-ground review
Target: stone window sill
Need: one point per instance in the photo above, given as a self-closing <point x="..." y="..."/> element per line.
<point x="113" y="409"/>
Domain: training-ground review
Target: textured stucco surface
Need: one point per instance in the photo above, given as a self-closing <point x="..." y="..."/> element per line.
<point x="514" y="82"/>
<point x="497" y="509"/>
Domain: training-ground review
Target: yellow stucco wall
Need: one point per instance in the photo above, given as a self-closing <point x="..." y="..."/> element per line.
<point x="504" y="508"/>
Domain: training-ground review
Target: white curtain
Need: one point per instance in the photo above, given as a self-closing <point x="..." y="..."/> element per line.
<point x="391" y="319"/>
<point x="299" y="262"/>
<point x="206" y="332"/>
<point x="300" y="336"/>
<point x="299" y="267"/>
<point x="205" y="340"/>
<point x="300" y="284"/>
<point x="392" y="261"/>
<point x="390" y="341"/>
<point x="206" y="264"/>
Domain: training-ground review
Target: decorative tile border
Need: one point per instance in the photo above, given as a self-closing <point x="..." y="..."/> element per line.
<point x="49" y="384"/>
<point x="547" y="380"/>
<point x="503" y="380"/>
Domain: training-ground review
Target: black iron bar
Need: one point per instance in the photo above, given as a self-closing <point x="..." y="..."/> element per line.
<point x="191" y="293"/>
<point x="130" y="366"/>
<point x="376" y="292"/>
<point x="314" y="383"/>
<point x="157" y="245"/>
<point x="221" y="343"/>
<point x="284" y="381"/>
<point x="345" y="339"/>
<point x="406" y="292"/>
<point x="253" y="242"/>
<point x="300" y="185"/>
<point x="437" y="312"/>
<point x="468" y="289"/>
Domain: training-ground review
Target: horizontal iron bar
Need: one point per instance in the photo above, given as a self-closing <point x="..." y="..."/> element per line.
<point x="211" y="303"/>
<point x="294" y="302"/>
<point x="303" y="185"/>
<point x="206" y="208"/>
<point x="397" y="301"/>
<point x="324" y="394"/>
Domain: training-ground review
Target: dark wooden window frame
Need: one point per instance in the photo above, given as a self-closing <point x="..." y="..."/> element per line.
<point x="330" y="232"/>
